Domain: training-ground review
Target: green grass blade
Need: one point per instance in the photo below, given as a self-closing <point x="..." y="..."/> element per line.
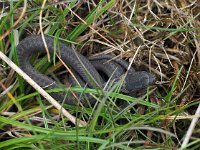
<point x="95" y="13"/>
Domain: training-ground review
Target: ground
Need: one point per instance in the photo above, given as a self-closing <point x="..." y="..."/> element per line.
<point x="161" y="37"/>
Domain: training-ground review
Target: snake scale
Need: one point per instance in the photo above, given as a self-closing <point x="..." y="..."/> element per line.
<point x="86" y="70"/>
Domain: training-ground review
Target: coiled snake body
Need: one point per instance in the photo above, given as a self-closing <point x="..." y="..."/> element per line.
<point x="84" y="69"/>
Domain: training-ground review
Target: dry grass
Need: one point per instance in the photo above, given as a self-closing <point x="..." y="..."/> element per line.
<point x="162" y="37"/>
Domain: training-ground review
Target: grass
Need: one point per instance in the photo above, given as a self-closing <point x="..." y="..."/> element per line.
<point x="161" y="37"/>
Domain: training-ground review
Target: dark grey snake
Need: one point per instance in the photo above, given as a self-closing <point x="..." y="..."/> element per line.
<point x="84" y="69"/>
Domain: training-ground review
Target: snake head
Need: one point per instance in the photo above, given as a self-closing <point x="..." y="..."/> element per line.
<point x="138" y="80"/>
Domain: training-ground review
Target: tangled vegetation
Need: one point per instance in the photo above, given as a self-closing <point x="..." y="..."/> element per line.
<point x="159" y="36"/>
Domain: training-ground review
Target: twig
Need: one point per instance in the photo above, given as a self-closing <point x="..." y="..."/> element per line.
<point x="191" y="128"/>
<point x="80" y="123"/>
<point x="41" y="30"/>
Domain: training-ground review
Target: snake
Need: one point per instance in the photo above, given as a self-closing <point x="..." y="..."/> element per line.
<point x="85" y="70"/>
